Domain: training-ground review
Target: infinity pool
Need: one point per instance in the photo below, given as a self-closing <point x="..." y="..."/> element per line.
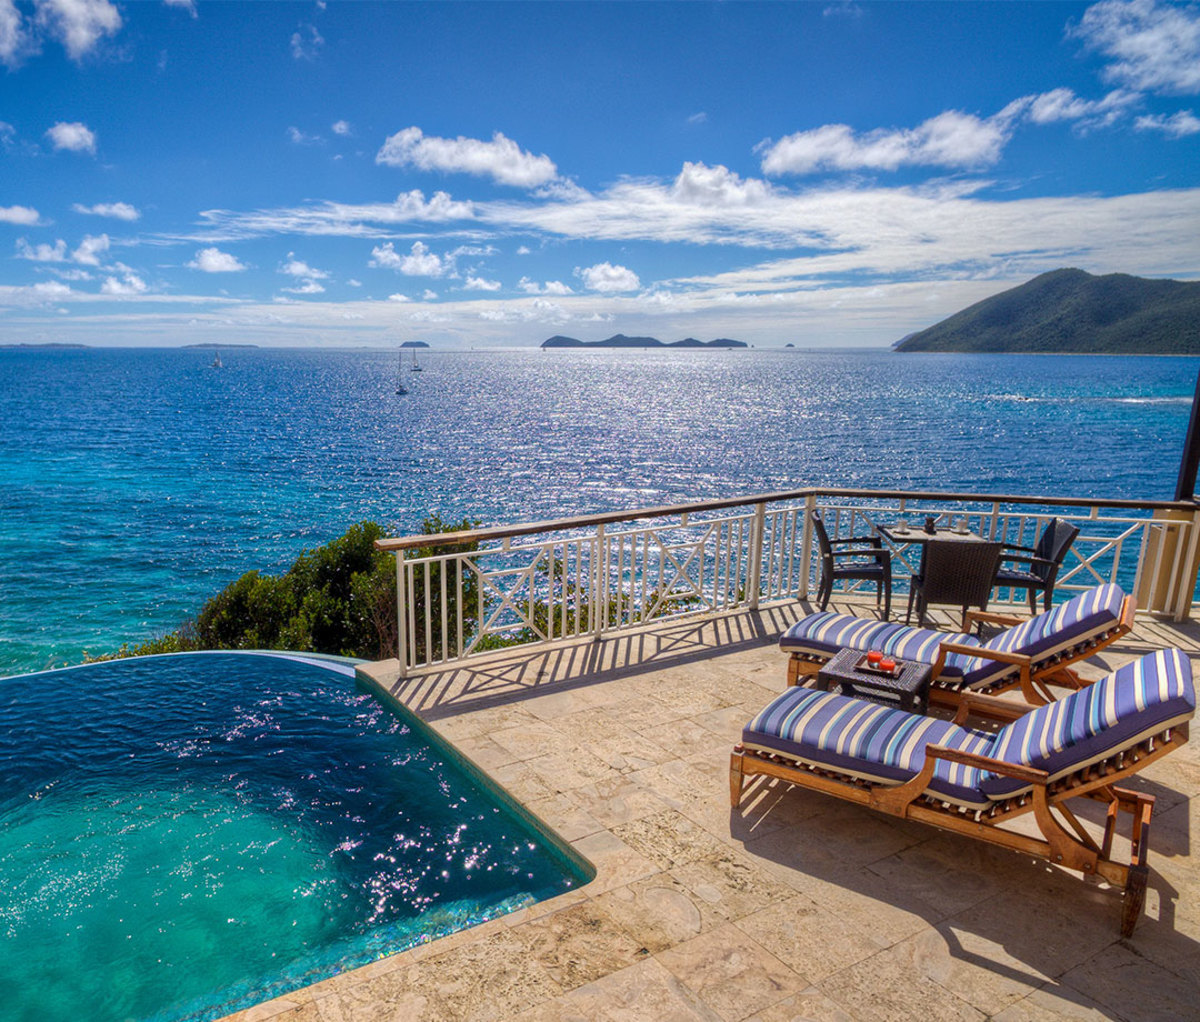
<point x="184" y="836"/>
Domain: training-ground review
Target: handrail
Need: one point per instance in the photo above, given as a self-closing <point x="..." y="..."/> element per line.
<point x="441" y="539"/>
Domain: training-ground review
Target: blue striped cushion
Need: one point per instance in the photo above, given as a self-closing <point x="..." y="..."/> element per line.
<point x="1086" y="616"/>
<point x="1137" y="700"/>
<point x="877" y="743"/>
<point x="822" y="635"/>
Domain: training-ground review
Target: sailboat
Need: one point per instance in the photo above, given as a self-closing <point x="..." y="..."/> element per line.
<point x="416" y="368"/>
<point x="216" y="362"/>
<point x="400" y="388"/>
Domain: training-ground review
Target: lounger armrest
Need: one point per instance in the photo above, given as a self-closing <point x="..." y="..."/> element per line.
<point x="1020" y="660"/>
<point x="1016" y="771"/>
<point x="1128" y="609"/>
<point x="976" y="704"/>
<point x="990" y="617"/>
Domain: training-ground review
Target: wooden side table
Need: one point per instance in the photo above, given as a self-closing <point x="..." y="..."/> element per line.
<point x="907" y="688"/>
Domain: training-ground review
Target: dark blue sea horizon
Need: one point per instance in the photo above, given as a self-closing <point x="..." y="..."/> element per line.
<point x="135" y="483"/>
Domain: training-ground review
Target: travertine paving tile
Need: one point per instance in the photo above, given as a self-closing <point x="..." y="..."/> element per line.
<point x="659" y="912"/>
<point x="807" y="1006"/>
<point x="732" y="974"/>
<point x="617" y="800"/>
<point x="732" y="884"/>
<point x="1132" y="987"/>
<point x="646" y="992"/>
<point x="579" y="944"/>
<point x="668" y="838"/>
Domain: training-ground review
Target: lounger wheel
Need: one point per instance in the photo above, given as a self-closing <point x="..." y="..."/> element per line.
<point x="1135" y="899"/>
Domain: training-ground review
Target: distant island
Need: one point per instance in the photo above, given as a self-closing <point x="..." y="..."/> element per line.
<point x="209" y="345"/>
<point x="1072" y="311"/>
<point x="622" y="341"/>
<point x="53" y="345"/>
<point x="414" y="344"/>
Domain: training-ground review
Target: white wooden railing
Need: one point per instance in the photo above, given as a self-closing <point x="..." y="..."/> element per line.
<point x="544" y="581"/>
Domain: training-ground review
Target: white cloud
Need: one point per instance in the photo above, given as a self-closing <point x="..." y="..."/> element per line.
<point x="187" y="5"/>
<point x="428" y="295"/>
<point x="481" y="284"/>
<point x="524" y="250"/>
<point x="306" y="42"/>
<point x="1064" y="105"/>
<point x="78" y="24"/>
<point x="951" y="139"/>
<point x="42" y="253"/>
<point x="309" y="287"/>
<point x="500" y="159"/>
<point x="353" y="283"/>
<point x="717" y="186"/>
<point x="213" y="260"/>
<point x="606" y="277"/>
<point x="25" y="216"/>
<point x="298" y="268"/>
<point x="298" y="137"/>
<point x="340" y="127"/>
<point x="130" y="284"/>
<point x="1152" y="46"/>
<point x="15" y="40"/>
<point x="1177" y="125"/>
<point x="51" y="289"/>
<point x="89" y="250"/>
<point x="420" y="262"/>
<point x="398" y="297"/>
<point x="73" y="137"/>
<point x="117" y="210"/>
<point x="551" y="287"/>
<point x="698" y="118"/>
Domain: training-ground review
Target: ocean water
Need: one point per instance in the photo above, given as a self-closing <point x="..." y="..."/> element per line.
<point x="183" y="836"/>
<point x="136" y="483"/>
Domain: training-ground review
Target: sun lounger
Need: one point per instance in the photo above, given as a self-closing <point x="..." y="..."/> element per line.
<point x="976" y="782"/>
<point x="1033" y="653"/>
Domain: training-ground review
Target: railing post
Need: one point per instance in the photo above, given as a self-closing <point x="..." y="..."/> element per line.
<point x="754" y="568"/>
<point x="600" y="586"/>
<point x="810" y="503"/>
<point x="401" y="615"/>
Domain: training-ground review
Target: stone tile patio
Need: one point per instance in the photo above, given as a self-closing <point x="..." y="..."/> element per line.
<point x="795" y="906"/>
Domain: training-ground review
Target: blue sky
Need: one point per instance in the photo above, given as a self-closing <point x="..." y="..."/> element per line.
<point x="339" y="174"/>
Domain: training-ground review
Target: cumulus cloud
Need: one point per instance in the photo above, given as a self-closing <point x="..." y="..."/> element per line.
<point x="187" y="5"/>
<point x="500" y="159"/>
<point x="1151" y="46"/>
<point x="306" y="42"/>
<point x="78" y="24"/>
<point x="129" y="284"/>
<point x="25" y="216"/>
<point x="309" y="287"/>
<point x="606" y="277"/>
<point x="398" y="297"/>
<point x="419" y="262"/>
<point x="1177" y="125"/>
<point x="480" y="284"/>
<point x="551" y="287"/>
<point x="717" y="186"/>
<point x="298" y="137"/>
<point x="42" y="253"/>
<point x="73" y="137"/>
<point x="213" y="260"/>
<point x="1064" y="105"/>
<point x="429" y="295"/>
<point x="340" y="127"/>
<point x="951" y="139"/>
<point x="90" y="249"/>
<point x="298" y="268"/>
<point x="117" y="210"/>
<point x="15" y="39"/>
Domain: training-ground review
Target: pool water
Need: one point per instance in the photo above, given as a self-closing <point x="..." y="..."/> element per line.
<point x="184" y="836"/>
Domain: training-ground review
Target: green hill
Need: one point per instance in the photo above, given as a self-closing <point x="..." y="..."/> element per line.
<point x="1073" y="311"/>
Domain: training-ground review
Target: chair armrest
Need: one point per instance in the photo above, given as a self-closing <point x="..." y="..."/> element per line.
<point x="1017" y="546"/>
<point x="869" y="540"/>
<point x="989" y="617"/>
<point x="976" y="704"/>
<point x="1026" y="559"/>
<point x="869" y="552"/>
<point x="995" y="766"/>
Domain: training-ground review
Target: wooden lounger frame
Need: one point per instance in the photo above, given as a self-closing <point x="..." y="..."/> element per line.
<point x="1073" y="848"/>
<point x="1034" y="680"/>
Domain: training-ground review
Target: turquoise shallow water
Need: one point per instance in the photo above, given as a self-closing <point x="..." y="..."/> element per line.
<point x="136" y="483"/>
<point x="181" y="836"/>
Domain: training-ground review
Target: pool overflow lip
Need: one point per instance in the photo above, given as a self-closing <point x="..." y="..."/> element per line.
<point x="564" y="855"/>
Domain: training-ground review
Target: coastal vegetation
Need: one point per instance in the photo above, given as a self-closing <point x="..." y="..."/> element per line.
<point x="1073" y="311"/>
<point x="622" y="341"/>
<point x="338" y="599"/>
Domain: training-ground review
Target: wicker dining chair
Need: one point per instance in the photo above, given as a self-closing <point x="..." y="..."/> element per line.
<point x="1036" y="568"/>
<point x="860" y="558"/>
<point x="954" y="572"/>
